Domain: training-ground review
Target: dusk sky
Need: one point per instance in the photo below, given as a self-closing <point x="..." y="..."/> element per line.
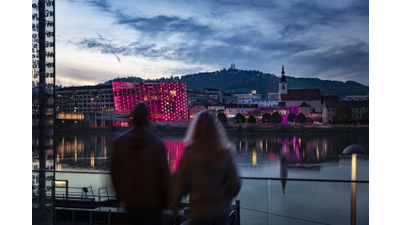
<point x="100" y="40"/>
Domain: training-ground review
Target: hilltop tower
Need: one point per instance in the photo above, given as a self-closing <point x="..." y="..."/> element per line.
<point x="283" y="84"/>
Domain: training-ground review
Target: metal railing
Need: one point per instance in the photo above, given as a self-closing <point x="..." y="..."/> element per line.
<point x="260" y="201"/>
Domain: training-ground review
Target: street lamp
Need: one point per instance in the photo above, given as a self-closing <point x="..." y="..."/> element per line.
<point x="353" y="150"/>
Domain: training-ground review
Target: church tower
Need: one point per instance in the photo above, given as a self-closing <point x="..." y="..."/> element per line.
<point x="283" y="84"/>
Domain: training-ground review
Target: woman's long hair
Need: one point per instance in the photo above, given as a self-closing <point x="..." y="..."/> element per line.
<point x="205" y="132"/>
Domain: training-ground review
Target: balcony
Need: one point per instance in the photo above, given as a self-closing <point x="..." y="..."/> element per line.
<point x="260" y="201"/>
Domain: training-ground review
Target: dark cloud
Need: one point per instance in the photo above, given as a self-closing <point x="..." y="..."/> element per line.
<point x="302" y="33"/>
<point x="132" y="49"/>
<point x="103" y="5"/>
<point x="360" y="8"/>
<point x="292" y="29"/>
<point x="348" y="62"/>
<point x="164" y="23"/>
<point x="311" y="13"/>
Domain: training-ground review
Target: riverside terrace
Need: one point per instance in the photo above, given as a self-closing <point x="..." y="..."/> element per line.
<point x="261" y="201"/>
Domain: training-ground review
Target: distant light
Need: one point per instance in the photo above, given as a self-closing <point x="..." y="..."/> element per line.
<point x="61" y="183"/>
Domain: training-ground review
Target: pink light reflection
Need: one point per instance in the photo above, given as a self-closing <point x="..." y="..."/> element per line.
<point x="174" y="150"/>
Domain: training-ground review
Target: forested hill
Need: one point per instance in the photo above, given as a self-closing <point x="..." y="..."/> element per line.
<point x="244" y="81"/>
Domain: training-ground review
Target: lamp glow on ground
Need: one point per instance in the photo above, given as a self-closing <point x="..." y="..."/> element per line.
<point x="353" y="150"/>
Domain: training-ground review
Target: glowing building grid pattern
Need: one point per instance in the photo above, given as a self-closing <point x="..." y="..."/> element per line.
<point x="166" y="101"/>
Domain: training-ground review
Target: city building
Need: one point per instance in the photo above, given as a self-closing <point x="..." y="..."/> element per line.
<point x="85" y="99"/>
<point x="284" y="111"/>
<point x="246" y="98"/>
<point x="195" y="108"/>
<point x="206" y="94"/>
<point x="358" y="108"/>
<point x="84" y="105"/>
<point x="198" y="95"/>
<point x="214" y="107"/>
<point x="103" y="105"/>
<point x="166" y="101"/>
<point x="254" y="98"/>
<point x="356" y="97"/>
<point x="232" y="109"/>
<point x="310" y="101"/>
<point x="265" y="102"/>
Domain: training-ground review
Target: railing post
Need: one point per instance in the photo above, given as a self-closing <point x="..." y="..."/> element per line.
<point x="109" y="217"/>
<point x="238" y="211"/>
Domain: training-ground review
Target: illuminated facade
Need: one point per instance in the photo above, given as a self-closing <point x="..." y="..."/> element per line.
<point x="283" y="111"/>
<point x="166" y="101"/>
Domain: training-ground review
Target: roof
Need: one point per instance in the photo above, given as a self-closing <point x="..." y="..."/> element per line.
<point x="85" y="88"/>
<point x="241" y="106"/>
<point x="302" y="94"/>
<point x="304" y="104"/>
<point x="331" y="104"/>
<point x="197" y="103"/>
<point x="330" y="97"/>
<point x="356" y="104"/>
<point x="352" y="104"/>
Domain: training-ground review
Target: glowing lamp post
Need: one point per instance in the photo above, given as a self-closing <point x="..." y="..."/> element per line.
<point x="353" y="150"/>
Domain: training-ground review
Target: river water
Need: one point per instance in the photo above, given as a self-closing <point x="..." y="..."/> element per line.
<point x="257" y="156"/>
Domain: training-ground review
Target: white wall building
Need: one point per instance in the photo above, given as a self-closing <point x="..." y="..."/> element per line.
<point x="232" y="109"/>
<point x="246" y="98"/>
<point x="265" y="102"/>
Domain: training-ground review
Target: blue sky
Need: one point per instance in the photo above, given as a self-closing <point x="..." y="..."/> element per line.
<point x="101" y="40"/>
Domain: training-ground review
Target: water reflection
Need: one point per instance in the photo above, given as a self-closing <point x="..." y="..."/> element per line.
<point x="292" y="150"/>
<point x="83" y="152"/>
<point x="257" y="155"/>
<point x="175" y="150"/>
<point x="93" y="152"/>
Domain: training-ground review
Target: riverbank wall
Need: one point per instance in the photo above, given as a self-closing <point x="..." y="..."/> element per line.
<point x="238" y="129"/>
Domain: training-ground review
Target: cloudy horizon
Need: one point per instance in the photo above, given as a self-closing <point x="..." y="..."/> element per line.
<point x="97" y="41"/>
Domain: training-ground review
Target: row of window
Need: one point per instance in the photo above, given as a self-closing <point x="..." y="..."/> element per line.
<point x="354" y="115"/>
<point x="353" y="110"/>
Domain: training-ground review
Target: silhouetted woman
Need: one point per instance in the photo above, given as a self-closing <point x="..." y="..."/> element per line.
<point x="206" y="172"/>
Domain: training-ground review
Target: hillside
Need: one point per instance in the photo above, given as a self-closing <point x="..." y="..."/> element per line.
<point x="244" y="81"/>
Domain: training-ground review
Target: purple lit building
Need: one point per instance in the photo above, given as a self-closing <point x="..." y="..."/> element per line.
<point x="284" y="111"/>
<point x="166" y="101"/>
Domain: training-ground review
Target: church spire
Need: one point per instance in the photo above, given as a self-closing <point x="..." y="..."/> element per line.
<point x="283" y="77"/>
<point x="282" y="84"/>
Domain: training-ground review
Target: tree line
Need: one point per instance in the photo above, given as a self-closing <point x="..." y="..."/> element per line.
<point x="342" y="115"/>
<point x="266" y="118"/>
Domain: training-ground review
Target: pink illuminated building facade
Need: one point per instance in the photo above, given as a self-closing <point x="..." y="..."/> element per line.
<point x="166" y="101"/>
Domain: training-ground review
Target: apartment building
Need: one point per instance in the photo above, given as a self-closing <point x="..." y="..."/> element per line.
<point x="85" y="99"/>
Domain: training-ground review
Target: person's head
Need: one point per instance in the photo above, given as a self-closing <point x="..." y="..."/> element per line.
<point x="139" y="115"/>
<point x="206" y="132"/>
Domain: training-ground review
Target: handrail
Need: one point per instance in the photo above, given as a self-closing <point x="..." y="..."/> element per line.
<point x="245" y="178"/>
<point x="306" y="179"/>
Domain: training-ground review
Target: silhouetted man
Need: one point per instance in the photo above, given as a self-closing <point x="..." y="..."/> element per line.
<point x="140" y="172"/>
